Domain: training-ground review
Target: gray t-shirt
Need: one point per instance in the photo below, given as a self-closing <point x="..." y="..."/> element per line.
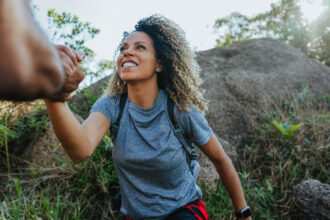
<point x="150" y="162"/>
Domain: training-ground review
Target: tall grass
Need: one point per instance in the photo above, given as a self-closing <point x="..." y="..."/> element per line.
<point x="71" y="191"/>
<point x="5" y="132"/>
<point x="285" y="145"/>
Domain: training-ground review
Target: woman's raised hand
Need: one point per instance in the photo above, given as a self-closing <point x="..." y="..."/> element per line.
<point x="74" y="75"/>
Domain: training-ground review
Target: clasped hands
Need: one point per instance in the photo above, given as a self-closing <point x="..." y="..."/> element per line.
<point x="74" y="74"/>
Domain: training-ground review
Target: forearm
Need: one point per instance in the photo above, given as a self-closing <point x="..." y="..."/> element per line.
<point x="69" y="131"/>
<point x="29" y="65"/>
<point x="232" y="183"/>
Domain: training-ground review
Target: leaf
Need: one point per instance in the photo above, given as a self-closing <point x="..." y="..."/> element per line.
<point x="286" y="130"/>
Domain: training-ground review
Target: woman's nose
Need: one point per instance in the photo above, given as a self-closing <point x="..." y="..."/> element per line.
<point x="128" y="52"/>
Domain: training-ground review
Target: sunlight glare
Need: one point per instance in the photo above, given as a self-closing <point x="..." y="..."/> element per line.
<point x="312" y="9"/>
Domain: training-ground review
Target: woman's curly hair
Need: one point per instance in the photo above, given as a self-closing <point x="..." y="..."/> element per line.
<point x="180" y="73"/>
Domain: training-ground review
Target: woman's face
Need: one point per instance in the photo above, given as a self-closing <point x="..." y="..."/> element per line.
<point x="137" y="60"/>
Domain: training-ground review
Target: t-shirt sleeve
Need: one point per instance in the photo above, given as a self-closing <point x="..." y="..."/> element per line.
<point x="107" y="106"/>
<point x="195" y="126"/>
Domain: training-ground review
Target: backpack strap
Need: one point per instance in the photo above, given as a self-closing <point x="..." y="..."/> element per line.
<point x="187" y="145"/>
<point x="115" y="127"/>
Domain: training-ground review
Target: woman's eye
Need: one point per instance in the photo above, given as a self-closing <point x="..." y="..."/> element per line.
<point x="122" y="48"/>
<point x="141" y="47"/>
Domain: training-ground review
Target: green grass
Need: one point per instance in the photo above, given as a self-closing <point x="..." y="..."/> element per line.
<point x="273" y="158"/>
<point x="74" y="191"/>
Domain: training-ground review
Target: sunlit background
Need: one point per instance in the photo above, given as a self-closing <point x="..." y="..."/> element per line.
<point x="195" y="17"/>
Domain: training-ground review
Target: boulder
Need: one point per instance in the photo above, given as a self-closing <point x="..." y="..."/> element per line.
<point x="242" y="81"/>
<point x="312" y="199"/>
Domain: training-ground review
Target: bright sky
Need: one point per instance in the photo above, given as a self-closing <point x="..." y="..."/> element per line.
<point x="196" y="17"/>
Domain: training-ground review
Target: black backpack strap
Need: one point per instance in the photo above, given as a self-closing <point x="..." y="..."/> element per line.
<point x="188" y="147"/>
<point x="114" y="128"/>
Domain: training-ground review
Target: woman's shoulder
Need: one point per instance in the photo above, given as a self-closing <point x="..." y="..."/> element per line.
<point x="109" y="98"/>
<point x="108" y="104"/>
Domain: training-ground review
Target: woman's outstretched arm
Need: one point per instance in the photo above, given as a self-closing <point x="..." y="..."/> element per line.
<point x="78" y="140"/>
<point x="226" y="170"/>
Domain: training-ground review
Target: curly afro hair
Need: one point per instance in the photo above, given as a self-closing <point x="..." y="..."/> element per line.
<point x="180" y="73"/>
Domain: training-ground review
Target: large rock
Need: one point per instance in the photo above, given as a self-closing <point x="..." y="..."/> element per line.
<point x="242" y="81"/>
<point x="312" y="199"/>
<point x="44" y="150"/>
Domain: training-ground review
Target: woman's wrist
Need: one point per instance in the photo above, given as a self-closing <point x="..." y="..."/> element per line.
<point x="244" y="213"/>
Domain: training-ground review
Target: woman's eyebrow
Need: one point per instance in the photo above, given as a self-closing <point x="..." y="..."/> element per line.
<point x="135" y="43"/>
<point x="139" y="42"/>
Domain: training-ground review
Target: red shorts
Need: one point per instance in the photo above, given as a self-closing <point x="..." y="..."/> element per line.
<point x="194" y="210"/>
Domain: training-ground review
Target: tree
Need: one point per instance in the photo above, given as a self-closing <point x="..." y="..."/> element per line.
<point x="319" y="47"/>
<point x="65" y="28"/>
<point x="284" y="21"/>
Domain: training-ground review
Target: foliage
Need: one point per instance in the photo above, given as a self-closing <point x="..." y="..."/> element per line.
<point x="65" y="28"/>
<point x="286" y="130"/>
<point x="4" y="133"/>
<point x="72" y="191"/>
<point x="260" y="196"/>
<point x="272" y="162"/>
<point x="284" y="21"/>
<point x="296" y="153"/>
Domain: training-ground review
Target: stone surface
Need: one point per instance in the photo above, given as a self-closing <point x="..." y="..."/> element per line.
<point x="44" y="149"/>
<point x="312" y="199"/>
<point x="242" y="81"/>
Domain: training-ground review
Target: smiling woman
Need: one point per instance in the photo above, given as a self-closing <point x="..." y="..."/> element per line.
<point x="153" y="108"/>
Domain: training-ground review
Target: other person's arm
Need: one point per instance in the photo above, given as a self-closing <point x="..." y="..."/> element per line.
<point x="30" y="66"/>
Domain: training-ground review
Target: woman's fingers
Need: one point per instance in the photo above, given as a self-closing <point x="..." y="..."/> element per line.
<point x="74" y="73"/>
<point x="74" y="56"/>
<point x="66" y="63"/>
<point x="80" y="56"/>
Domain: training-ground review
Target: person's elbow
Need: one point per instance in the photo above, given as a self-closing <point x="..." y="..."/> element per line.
<point x="80" y="158"/>
<point x="83" y="153"/>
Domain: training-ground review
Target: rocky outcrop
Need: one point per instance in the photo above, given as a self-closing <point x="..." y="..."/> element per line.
<point x="312" y="199"/>
<point x="242" y="81"/>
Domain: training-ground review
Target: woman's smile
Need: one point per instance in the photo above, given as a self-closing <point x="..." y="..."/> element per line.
<point x="128" y="64"/>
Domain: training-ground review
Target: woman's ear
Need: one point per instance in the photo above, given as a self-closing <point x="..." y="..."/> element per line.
<point x="159" y="67"/>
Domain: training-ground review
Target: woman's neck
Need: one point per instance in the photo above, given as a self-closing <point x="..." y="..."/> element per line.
<point x="143" y="95"/>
